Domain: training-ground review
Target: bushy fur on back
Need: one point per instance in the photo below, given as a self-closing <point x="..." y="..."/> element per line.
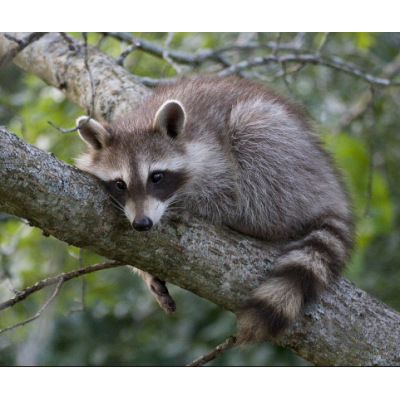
<point x="239" y="154"/>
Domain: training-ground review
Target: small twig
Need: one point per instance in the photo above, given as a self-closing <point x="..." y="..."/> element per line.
<point x="90" y="76"/>
<point x="149" y="47"/>
<point x="82" y="306"/>
<point x="286" y="79"/>
<point x="219" y="55"/>
<point x="63" y="130"/>
<point x="358" y="109"/>
<point x="353" y="112"/>
<point x="151" y="82"/>
<point x="230" y="343"/>
<point x="14" y="39"/>
<point x="371" y="155"/>
<point x="392" y="68"/>
<point x="22" y="43"/>
<point x="331" y="62"/>
<point x="298" y="41"/>
<point x="196" y="59"/>
<point x="61" y="280"/>
<point x="72" y="129"/>
<point x="120" y="59"/>
<point x="277" y="42"/>
<point x="23" y="294"/>
<point x="71" y="45"/>
<point x="322" y="44"/>
<point x="166" y="56"/>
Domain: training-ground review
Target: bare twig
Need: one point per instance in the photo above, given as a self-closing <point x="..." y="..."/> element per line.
<point x="120" y="59"/>
<point x="75" y="128"/>
<point x="277" y="42"/>
<point x="322" y="44"/>
<point x="149" y="47"/>
<point x="166" y="56"/>
<point x="371" y="155"/>
<point x="82" y="306"/>
<point x="298" y="41"/>
<point x="331" y="62"/>
<point x="392" y="68"/>
<point x="219" y="55"/>
<point x="22" y="43"/>
<point x="62" y="130"/>
<point x="72" y="46"/>
<point x="230" y="343"/>
<point x="365" y="98"/>
<point x="353" y="112"/>
<point x="61" y="280"/>
<point x="90" y="76"/>
<point x="151" y="82"/>
<point x="197" y="58"/>
<point x="23" y="294"/>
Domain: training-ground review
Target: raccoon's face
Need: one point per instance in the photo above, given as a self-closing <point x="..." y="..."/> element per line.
<point x="142" y="169"/>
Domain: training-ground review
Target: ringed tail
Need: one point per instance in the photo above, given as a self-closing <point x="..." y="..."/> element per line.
<point x="302" y="271"/>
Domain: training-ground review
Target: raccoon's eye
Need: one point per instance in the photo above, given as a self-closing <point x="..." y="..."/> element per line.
<point x="120" y="185"/>
<point x="156" y="177"/>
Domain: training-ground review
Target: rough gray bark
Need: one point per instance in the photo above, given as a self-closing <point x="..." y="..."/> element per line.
<point x="347" y="327"/>
<point x="54" y="61"/>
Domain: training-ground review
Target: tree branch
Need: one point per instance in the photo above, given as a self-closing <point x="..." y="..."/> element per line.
<point x="230" y="343"/>
<point x="52" y="60"/>
<point x="331" y="62"/>
<point x="22" y="43"/>
<point x="41" y="311"/>
<point x="66" y="276"/>
<point x="196" y="59"/>
<point x="201" y="56"/>
<point x="347" y="327"/>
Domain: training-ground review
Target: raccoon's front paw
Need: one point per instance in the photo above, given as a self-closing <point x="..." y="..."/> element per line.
<point x="161" y="294"/>
<point x="158" y="290"/>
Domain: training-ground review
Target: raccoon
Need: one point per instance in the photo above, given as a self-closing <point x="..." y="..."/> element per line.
<point x="239" y="154"/>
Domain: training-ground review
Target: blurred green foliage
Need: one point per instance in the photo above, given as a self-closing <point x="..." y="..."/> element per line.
<point x="122" y="324"/>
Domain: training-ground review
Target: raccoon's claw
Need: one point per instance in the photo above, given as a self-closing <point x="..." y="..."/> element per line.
<point x="161" y="294"/>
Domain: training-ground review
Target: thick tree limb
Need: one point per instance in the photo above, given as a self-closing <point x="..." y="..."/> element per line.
<point x="54" y="61"/>
<point x="347" y="327"/>
<point x="22" y="43"/>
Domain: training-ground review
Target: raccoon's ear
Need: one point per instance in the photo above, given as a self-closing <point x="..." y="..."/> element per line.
<point x="170" y="119"/>
<point x="92" y="132"/>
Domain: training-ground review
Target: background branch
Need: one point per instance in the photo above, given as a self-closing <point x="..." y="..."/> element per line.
<point x="53" y="61"/>
<point x="41" y="311"/>
<point x="22" y="43"/>
<point x="65" y="277"/>
<point x="331" y="62"/>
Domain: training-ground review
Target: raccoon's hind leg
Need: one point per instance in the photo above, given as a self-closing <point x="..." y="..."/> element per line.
<point x="158" y="290"/>
<point x="304" y="269"/>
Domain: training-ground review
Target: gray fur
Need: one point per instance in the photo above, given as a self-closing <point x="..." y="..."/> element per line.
<point x="247" y="158"/>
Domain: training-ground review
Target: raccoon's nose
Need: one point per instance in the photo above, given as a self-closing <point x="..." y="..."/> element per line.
<point x="143" y="224"/>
